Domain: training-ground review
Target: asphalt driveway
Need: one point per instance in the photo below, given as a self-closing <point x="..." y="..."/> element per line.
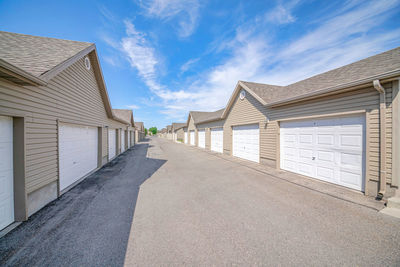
<point x="202" y="209"/>
<point x="163" y="203"/>
<point x="87" y="226"/>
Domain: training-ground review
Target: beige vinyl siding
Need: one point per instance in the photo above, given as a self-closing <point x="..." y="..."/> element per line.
<point x="180" y="134"/>
<point x="72" y="96"/>
<point x="250" y="111"/>
<point x="192" y="127"/>
<point x="367" y="100"/>
<point x="207" y="126"/>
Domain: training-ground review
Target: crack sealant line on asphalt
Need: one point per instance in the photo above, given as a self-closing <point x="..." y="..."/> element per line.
<point x="291" y="182"/>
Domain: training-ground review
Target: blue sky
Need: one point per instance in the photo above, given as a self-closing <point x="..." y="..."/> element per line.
<point x="163" y="58"/>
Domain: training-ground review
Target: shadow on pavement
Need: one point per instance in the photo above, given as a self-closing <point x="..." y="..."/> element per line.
<point x="88" y="225"/>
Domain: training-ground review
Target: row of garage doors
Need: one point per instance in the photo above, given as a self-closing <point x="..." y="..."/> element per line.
<point x="331" y="150"/>
<point x="78" y="156"/>
<point x="217" y="138"/>
<point x="79" y="151"/>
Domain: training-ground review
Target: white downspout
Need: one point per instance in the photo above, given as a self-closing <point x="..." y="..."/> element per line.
<point x="382" y="138"/>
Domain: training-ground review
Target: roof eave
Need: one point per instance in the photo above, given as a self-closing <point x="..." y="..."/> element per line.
<point x="335" y="89"/>
<point x="211" y="120"/>
<point x="20" y="74"/>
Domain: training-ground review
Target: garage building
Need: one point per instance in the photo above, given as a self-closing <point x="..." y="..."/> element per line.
<point x="55" y="116"/>
<point x="139" y="131"/>
<point x="211" y="125"/>
<point x="341" y="126"/>
<point x="128" y="133"/>
<point x="178" y="132"/>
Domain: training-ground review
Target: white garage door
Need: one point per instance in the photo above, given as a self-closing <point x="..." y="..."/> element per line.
<point x="6" y="172"/>
<point x="112" y="143"/>
<point x="78" y="152"/>
<point x="217" y="138"/>
<point x="202" y="138"/>
<point x="327" y="149"/>
<point x="186" y="139"/>
<point x="129" y="139"/>
<point x="122" y="141"/>
<point x="245" y="142"/>
<point x="192" y="138"/>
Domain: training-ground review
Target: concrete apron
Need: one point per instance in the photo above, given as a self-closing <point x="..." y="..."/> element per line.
<point x="393" y="205"/>
<point x="332" y="190"/>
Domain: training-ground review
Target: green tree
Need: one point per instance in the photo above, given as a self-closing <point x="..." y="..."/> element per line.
<point x="145" y="131"/>
<point x="153" y="130"/>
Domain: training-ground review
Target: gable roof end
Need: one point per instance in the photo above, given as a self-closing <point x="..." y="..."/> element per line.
<point x="177" y="126"/>
<point x="34" y="60"/>
<point x="125" y="115"/>
<point x="254" y="91"/>
<point x="139" y="125"/>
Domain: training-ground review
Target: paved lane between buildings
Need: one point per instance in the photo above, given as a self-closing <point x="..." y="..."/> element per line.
<point x="199" y="209"/>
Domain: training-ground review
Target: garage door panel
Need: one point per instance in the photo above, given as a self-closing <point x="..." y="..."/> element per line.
<point x="290" y="152"/>
<point x="192" y="141"/>
<point x="305" y="154"/>
<point x="305" y="138"/>
<point x="327" y="174"/>
<point x="290" y="165"/>
<point x="350" y="179"/>
<point x="78" y="153"/>
<point x="245" y="142"/>
<point x="112" y="143"/>
<point x="217" y="138"/>
<point x="325" y="156"/>
<point x="327" y="149"/>
<point x="351" y="160"/>
<point x="306" y="169"/>
<point x="325" y="139"/>
<point x="201" y="134"/>
<point x="351" y="141"/>
<point x="122" y="141"/>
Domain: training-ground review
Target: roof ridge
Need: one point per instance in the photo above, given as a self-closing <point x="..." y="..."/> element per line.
<point x="263" y="83"/>
<point x="46" y="37"/>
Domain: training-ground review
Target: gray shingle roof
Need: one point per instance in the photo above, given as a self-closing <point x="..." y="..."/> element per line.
<point x="139" y="125"/>
<point x="37" y="55"/>
<point x="201" y="116"/>
<point x="124" y="114"/>
<point x="363" y="69"/>
<point x="177" y="126"/>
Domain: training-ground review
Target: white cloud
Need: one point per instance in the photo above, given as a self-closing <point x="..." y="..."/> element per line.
<point x="337" y="41"/>
<point x="113" y="61"/>
<point x="140" y="54"/>
<point x="133" y="106"/>
<point x="280" y="15"/>
<point x="142" y="57"/>
<point x="186" y="66"/>
<point x="185" y="12"/>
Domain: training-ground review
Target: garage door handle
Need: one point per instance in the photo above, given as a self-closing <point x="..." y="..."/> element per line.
<point x="74" y="162"/>
<point x="313" y="158"/>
